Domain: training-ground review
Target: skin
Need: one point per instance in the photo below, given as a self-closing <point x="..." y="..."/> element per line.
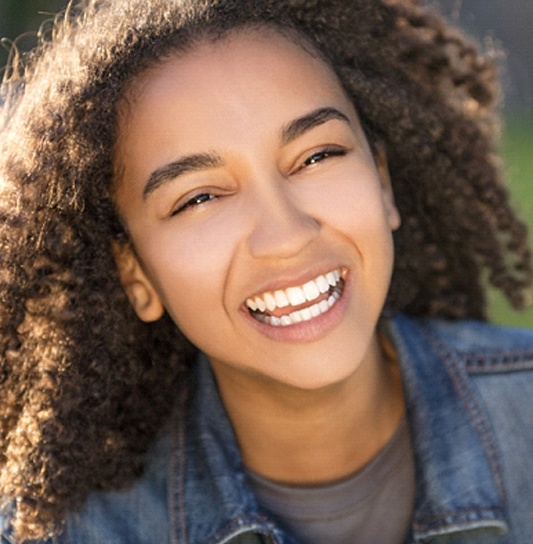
<point x="279" y="205"/>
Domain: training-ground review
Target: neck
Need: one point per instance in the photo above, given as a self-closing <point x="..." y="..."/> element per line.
<point x="301" y="436"/>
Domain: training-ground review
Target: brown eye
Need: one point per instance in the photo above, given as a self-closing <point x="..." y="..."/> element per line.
<point x="319" y="156"/>
<point x="194" y="201"/>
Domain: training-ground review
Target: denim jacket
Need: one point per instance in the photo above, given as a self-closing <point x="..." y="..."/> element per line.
<point x="469" y="394"/>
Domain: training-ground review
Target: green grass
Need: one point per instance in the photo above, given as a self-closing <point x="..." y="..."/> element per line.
<point x="518" y="155"/>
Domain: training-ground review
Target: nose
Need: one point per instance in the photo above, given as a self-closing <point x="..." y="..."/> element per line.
<point x="281" y="227"/>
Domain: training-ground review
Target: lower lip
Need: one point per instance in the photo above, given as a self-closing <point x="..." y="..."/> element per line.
<point x="307" y="331"/>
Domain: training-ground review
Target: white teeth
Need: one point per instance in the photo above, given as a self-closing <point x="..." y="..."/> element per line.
<point x="260" y="303"/>
<point x="322" y="284"/>
<point x="270" y="302"/>
<point x="296" y="296"/>
<point x="281" y="299"/>
<point x="305" y="314"/>
<point x="330" y="276"/>
<point x="286" y="320"/>
<point x="295" y="317"/>
<point x="311" y="291"/>
<point x="276" y="321"/>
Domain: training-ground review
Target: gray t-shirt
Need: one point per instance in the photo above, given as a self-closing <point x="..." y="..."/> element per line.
<point x="373" y="505"/>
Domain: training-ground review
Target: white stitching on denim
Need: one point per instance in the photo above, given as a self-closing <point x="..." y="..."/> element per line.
<point x="177" y="482"/>
<point x="468" y="399"/>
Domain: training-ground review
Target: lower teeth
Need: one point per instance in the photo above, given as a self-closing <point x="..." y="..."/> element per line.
<point x="306" y="314"/>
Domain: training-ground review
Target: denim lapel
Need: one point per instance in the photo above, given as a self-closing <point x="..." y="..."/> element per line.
<point x="210" y="498"/>
<point x="458" y="472"/>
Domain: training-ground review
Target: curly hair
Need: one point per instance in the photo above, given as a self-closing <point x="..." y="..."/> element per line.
<point x="85" y="385"/>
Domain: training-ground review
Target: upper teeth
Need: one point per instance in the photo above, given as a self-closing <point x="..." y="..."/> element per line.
<point x="294" y="296"/>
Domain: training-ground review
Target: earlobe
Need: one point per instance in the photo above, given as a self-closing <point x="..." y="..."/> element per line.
<point x="393" y="215"/>
<point x="138" y="288"/>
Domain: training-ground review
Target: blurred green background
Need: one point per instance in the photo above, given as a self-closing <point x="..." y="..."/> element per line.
<point x="518" y="154"/>
<point x="502" y="27"/>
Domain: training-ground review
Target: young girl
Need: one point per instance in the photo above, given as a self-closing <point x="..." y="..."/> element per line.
<point x="244" y="254"/>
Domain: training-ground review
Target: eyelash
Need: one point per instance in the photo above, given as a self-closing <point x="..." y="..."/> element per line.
<point x="321" y="155"/>
<point x="196" y="200"/>
<point x="313" y="159"/>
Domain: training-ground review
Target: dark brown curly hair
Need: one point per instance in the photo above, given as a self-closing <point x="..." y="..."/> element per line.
<point x="84" y="384"/>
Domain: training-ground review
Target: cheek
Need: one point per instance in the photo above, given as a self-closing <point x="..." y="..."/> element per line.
<point x="353" y="205"/>
<point x="352" y="210"/>
<point x="189" y="267"/>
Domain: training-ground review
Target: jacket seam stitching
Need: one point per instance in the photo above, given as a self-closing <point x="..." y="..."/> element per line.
<point x="500" y="362"/>
<point x="435" y="520"/>
<point x="483" y="429"/>
<point x="177" y="483"/>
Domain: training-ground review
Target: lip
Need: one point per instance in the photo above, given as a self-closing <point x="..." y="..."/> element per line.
<point x="307" y="331"/>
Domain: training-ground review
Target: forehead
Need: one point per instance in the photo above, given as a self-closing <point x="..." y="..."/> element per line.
<point x="247" y="56"/>
<point x="229" y="94"/>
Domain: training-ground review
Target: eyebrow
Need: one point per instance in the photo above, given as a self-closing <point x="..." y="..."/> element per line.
<point x="202" y="161"/>
<point x="299" y="126"/>
<point x="170" y="171"/>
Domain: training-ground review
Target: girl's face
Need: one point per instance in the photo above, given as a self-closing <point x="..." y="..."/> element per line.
<point x="259" y="218"/>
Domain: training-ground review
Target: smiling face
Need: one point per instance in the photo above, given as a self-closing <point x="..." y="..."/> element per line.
<point x="259" y="218"/>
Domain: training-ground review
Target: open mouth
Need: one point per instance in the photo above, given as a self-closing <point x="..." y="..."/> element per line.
<point x="293" y="305"/>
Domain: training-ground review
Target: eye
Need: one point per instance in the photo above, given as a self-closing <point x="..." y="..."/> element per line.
<point x="323" y="154"/>
<point x="195" y="201"/>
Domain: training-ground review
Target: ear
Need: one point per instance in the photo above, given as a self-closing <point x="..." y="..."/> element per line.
<point x="138" y="288"/>
<point x="380" y="158"/>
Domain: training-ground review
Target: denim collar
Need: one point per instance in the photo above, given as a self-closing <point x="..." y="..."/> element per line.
<point x="459" y="478"/>
<point x="210" y="498"/>
<point x="458" y="469"/>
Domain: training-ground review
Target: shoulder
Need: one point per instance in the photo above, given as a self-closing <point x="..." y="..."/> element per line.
<point x="137" y="514"/>
<point x="488" y="366"/>
<point x="490" y="363"/>
<point x="478" y="346"/>
<point x="469" y="388"/>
